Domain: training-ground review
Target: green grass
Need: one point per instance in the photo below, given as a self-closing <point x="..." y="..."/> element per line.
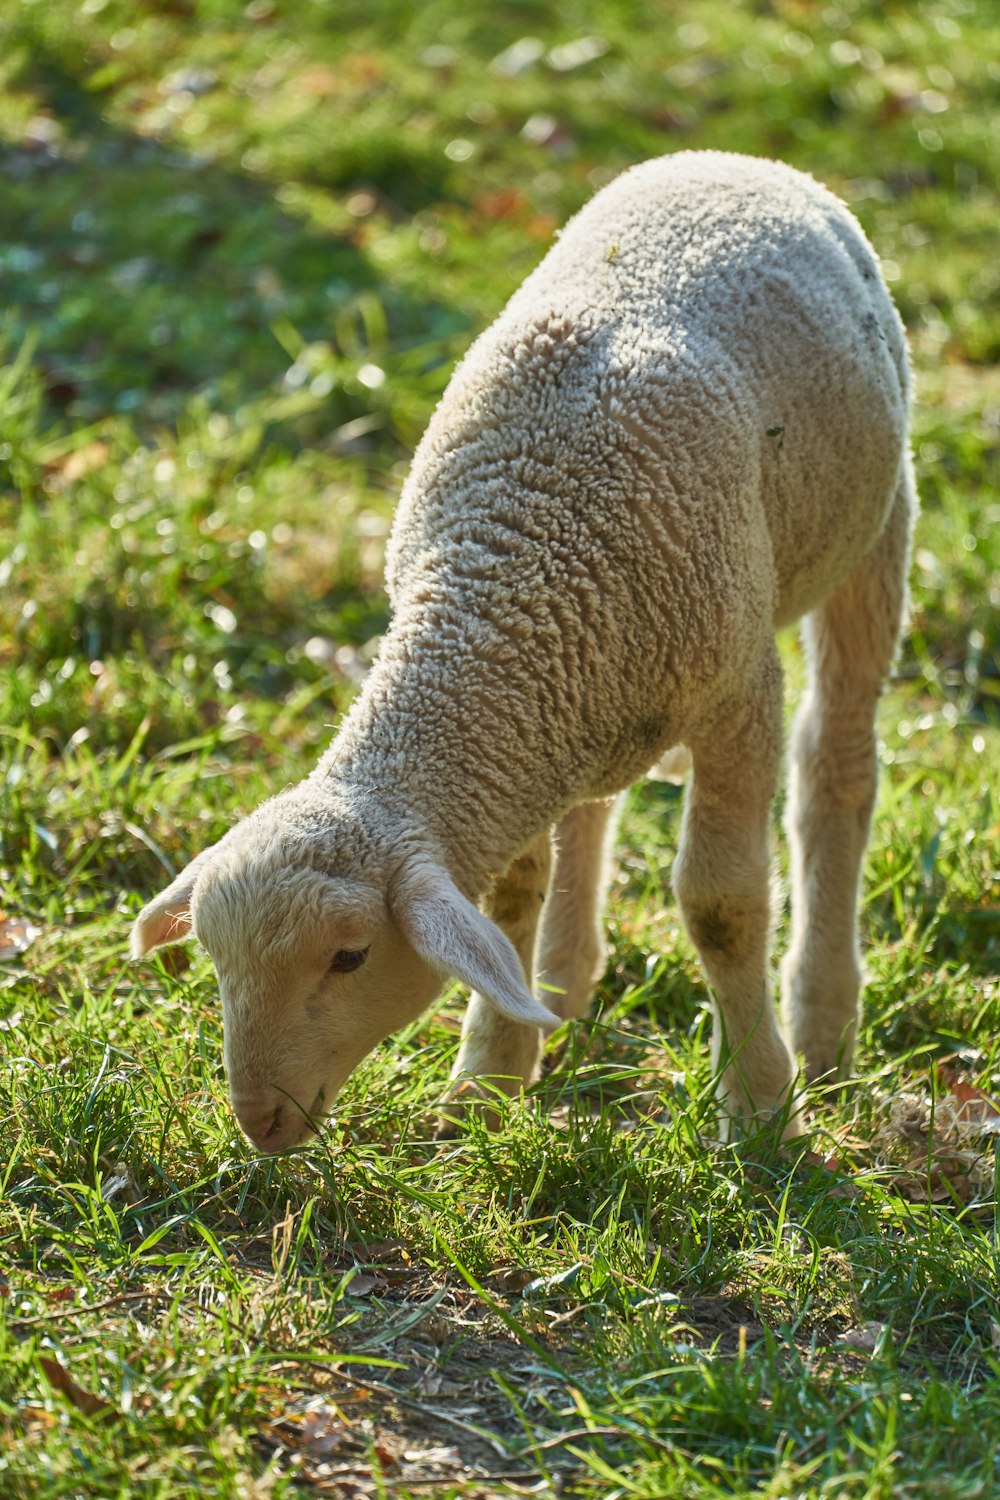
<point x="240" y="249"/>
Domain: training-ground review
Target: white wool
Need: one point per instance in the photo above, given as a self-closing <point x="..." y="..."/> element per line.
<point x="687" y="429"/>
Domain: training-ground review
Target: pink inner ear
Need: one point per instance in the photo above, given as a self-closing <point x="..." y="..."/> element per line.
<point x="158" y="925"/>
<point x="167" y="918"/>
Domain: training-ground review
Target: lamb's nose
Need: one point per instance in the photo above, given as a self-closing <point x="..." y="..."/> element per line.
<point x="264" y="1125"/>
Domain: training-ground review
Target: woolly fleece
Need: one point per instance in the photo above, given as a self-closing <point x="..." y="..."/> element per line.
<point x="683" y="432"/>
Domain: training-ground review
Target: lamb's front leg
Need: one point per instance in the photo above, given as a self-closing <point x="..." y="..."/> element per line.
<point x="571" y="953"/>
<point x="494" y="1048"/>
<point x="722" y="882"/>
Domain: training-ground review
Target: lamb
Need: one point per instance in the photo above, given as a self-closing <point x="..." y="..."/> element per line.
<point x="687" y="430"/>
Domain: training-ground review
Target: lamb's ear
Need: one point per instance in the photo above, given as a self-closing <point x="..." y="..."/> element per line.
<point x="453" y="936"/>
<point x="167" y="918"/>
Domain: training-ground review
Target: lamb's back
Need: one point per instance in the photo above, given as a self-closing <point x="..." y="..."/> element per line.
<point x="683" y="428"/>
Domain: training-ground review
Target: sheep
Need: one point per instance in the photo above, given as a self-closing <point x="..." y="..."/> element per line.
<point x="686" y="430"/>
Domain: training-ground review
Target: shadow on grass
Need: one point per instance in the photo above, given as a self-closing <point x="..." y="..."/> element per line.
<point x="151" y="272"/>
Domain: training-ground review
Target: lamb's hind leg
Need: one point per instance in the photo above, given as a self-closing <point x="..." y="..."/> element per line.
<point x="494" y="1048"/>
<point x="571" y="949"/>
<point x="851" y="641"/>
<point x="722" y="879"/>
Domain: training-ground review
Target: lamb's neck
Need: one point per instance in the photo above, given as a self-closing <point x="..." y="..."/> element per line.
<point x="453" y="744"/>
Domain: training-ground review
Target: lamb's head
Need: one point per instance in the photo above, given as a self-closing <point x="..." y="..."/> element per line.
<point x="320" y="952"/>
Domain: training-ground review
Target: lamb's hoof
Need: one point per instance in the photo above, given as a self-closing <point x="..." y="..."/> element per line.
<point x="827" y="1069"/>
<point x="448" y="1128"/>
<point x="782" y="1121"/>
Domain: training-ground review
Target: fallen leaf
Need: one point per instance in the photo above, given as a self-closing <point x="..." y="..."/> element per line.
<point x="511" y="1279"/>
<point x="363" y="1286"/>
<point x="828" y="1163"/>
<point x="385" y="1456"/>
<point x="85" y="1401"/>
<point x="928" y="1149"/>
<point x="974" y="1108"/>
<point x="121" y="1179"/>
<point x="323" y="1432"/>
<point x="843" y="1188"/>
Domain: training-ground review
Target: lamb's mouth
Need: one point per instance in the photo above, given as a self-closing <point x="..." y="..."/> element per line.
<point x="310" y="1121"/>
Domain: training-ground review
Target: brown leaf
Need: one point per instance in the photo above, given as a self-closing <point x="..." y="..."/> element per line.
<point x="974" y="1108"/>
<point x="511" y="1279"/>
<point x="85" y="1401"/>
<point x="323" y="1432"/>
<point x="363" y="1286"/>
<point x="845" y="1188"/>
<point x="380" y="1250"/>
<point x="830" y="1163"/>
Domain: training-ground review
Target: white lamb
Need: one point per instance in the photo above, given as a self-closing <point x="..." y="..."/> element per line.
<point x="686" y="430"/>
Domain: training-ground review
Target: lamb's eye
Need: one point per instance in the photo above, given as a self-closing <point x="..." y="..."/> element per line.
<point x="346" y="959"/>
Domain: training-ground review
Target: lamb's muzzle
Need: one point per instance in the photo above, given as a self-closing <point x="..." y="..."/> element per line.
<point x="273" y="1123"/>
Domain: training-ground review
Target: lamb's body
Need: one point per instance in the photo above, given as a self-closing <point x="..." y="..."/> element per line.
<point x="683" y="432"/>
<point x="687" y="429"/>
